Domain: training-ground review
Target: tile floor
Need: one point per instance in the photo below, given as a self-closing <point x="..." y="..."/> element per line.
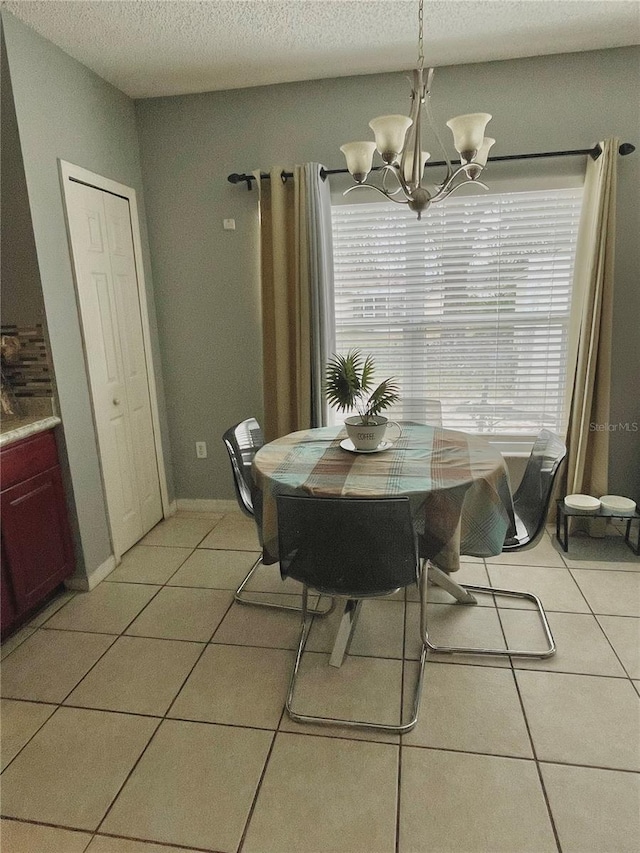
<point x="147" y="716"/>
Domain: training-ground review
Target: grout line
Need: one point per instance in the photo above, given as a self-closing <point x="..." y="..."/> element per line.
<point x="197" y="661"/>
<point x="116" y="638"/>
<point x="534" y="753"/>
<point x="400" y="738"/>
<point x="32" y="632"/>
<point x="63" y="604"/>
<point x="44" y="722"/>
<point x="253" y="550"/>
<point x="33" y="628"/>
<point x="189" y="555"/>
<point x="32" y="822"/>
<point x="574" y="674"/>
<point x="150" y="841"/>
<point x="60" y="703"/>
<point x="257" y="792"/>
<point x="95" y="834"/>
<point x="595" y="616"/>
<point x="633" y="773"/>
<point x="129" y="774"/>
<point x="531" y="742"/>
<point x="606" y="636"/>
<point x="278" y="730"/>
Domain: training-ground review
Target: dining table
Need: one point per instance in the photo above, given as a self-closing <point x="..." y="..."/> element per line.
<point x="457" y="485"/>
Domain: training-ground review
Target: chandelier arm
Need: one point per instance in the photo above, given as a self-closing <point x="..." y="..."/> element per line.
<point x="450" y="171"/>
<point x="387" y="195"/>
<point x="412" y="143"/>
<point x="397" y="174"/>
<point x="391" y="193"/>
<point x="385" y="171"/>
<point x="446" y="185"/>
<point x="416" y="171"/>
<point x="442" y="194"/>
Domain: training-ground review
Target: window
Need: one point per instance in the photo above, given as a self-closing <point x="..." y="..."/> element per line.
<point x="470" y="306"/>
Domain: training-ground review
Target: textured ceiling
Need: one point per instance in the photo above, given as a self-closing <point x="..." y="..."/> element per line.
<point x="148" y="48"/>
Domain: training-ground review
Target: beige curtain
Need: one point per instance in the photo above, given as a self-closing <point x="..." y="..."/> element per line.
<point x="297" y="283"/>
<point x="587" y="445"/>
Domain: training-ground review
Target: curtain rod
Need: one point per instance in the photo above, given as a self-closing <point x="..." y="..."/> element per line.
<point x="624" y="149"/>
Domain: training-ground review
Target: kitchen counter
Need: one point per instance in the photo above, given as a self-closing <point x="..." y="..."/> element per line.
<point x="37" y="416"/>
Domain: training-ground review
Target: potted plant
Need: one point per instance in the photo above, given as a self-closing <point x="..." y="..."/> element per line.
<point x="348" y="386"/>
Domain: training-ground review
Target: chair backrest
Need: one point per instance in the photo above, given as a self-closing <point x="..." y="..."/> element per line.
<point x="357" y="547"/>
<point x="533" y="495"/>
<point x="422" y="410"/>
<point x="243" y="442"/>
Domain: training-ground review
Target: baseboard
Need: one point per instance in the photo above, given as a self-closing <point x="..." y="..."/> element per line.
<point x="194" y="505"/>
<point x="89" y="582"/>
<point x="172" y="509"/>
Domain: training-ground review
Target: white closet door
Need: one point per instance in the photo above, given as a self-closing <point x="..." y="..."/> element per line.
<point x="125" y="285"/>
<point x="100" y="228"/>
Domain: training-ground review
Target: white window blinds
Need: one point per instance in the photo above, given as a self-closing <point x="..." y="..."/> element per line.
<point x="469" y="306"/>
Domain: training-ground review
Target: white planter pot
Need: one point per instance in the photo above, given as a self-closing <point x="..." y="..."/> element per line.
<point x="366" y="436"/>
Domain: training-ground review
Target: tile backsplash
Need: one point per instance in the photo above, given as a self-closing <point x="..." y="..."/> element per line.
<point x="31" y="374"/>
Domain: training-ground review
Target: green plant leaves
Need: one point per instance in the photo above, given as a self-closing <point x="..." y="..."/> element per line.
<point x="385" y="395"/>
<point x="366" y="377"/>
<point x="348" y="381"/>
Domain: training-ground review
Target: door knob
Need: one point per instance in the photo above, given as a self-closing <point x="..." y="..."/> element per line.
<point x="116" y="401"/>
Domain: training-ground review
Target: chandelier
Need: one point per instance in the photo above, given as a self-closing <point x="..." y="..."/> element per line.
<point x="398" y="140"/>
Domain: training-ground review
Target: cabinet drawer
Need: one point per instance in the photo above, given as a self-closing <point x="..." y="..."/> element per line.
<point x="28" y="457"/>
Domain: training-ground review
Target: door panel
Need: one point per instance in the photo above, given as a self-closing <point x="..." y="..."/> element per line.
<point x="133" y="358"/>
<point x="107" y="286"/>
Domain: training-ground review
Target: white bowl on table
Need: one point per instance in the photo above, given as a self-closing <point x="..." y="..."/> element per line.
<point x="585" y="504"/>
<point x="617" y="505"/>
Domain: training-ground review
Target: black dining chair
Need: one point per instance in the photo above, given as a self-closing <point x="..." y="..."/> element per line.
<point x="352" y="548"/>
<point x="242" y="441"/>
<point x="531" y="502"/>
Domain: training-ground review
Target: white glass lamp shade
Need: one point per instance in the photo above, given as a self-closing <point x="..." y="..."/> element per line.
<point x="468" y="131"/>
<point x="359" y="156"/>
<point x="408" y="164"/>
<point x="483" y="151"/>
<point x="390" y="132"/>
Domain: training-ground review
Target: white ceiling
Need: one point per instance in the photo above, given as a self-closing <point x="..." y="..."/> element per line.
<point x="148" y="48"/>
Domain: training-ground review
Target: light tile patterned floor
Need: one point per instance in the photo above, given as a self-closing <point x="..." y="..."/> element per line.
<point x="147" y="715"/>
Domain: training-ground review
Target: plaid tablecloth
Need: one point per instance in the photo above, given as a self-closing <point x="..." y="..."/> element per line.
<point x="457" y="484"/>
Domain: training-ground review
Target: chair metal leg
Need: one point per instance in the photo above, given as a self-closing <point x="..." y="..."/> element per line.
<point x="403" y="728"/>
<point x="346" y="630"/>
<point x="442" y="579"/>
<point x="466" y="590"/>
<point x="242" y="599"/>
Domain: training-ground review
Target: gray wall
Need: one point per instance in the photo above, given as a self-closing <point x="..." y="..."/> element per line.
<point x="66" y="112"/>
<point x="22" y="303"/>
<point x="206" y="278"/>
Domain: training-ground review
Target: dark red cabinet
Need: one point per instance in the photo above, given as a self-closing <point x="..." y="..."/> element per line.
<point x="9" y="611"/>
<point x="37" y="551"/>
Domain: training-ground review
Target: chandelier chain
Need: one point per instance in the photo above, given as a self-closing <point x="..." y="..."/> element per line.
<point x="398" y="139"/>
<point x="420" y="34"/>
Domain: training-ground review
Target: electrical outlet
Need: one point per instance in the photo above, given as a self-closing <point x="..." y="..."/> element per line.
<point x="201" y="449"/>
